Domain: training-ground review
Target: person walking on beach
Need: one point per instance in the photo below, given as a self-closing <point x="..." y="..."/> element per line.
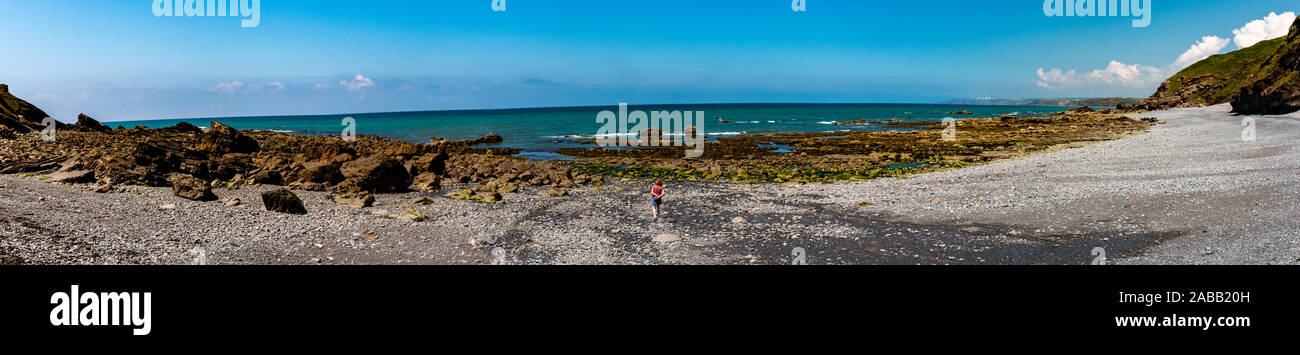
<point x="657" y="196"/>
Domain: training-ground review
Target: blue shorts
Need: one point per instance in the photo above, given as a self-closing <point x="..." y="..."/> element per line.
<point x="656" y="201"/>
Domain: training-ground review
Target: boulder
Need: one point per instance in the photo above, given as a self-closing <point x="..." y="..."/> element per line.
<point x="266" y="177"/>
<point x="283" y="201"/>
<point x="429" y="163"/>
<point x="193" y="188"/>
<point x="375" y="173"/>
<point x="356" y="200"/>
<point x="323" y="173"/>
<point x="73" y="176"/>
<point x="507" y="187"/>
<point x="427" y="182"/>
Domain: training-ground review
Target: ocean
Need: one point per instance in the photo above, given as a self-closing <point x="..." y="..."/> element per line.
<point x="540" y="132"/>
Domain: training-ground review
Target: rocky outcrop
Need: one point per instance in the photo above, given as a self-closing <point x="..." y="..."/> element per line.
<point x="1258" y="79"/>
<point x="88" y="124"/>
<point x="1277" y="87"/>
<point x="1187" y="91"/>
<point x="375" y="173"/>
<point x="488" y="139"/>
<point x="20" y="116"/>
<point x="193" y="162"/>
<point x="321" y="173"/>
<point x="283" y="201"/>
<point x="182" y="128"/>
<point x="222" y="139"/>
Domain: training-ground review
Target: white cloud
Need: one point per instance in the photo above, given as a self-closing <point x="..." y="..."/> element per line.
<point x="1116" y="73"/>
<point x="1270" y="27"/>
<point x="1134" y="75"/>
<point x="358" y="83"/>
<point x="1208" y="46"/>
<point x="228" y="88"/>
<point x="275" y="85"/>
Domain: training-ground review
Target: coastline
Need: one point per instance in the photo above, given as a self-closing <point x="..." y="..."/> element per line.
<point x="1044" y="208"/>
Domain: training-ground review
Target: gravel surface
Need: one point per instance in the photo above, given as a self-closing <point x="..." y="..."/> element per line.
<point x="1189" y="192"/>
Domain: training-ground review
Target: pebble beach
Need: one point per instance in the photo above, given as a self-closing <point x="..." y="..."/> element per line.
<point x="1190" y="191"/>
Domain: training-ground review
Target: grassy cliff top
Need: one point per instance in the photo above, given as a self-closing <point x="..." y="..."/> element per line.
<point x="1235" y="69"/>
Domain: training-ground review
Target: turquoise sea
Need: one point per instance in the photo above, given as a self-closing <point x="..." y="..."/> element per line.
<point x="542" y="131"/>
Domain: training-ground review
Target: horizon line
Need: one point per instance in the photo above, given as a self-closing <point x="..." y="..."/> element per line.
<point x="603" y="106"/>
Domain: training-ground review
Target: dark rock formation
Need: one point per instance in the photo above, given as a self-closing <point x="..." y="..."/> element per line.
<point x="1277" y="87"/>
<point x="322" y="173"/>
<point x="88" y="124"/>
<point x="182" y="128"/>
<point x="21" y="116"/>
<point x="222" y="139"/>
<point x="375" y="173"/>
<point x="429" y="163"/>
<point x="283" y="201"/>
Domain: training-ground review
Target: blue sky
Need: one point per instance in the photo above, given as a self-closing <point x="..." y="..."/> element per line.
<point x="115" y="60"/>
